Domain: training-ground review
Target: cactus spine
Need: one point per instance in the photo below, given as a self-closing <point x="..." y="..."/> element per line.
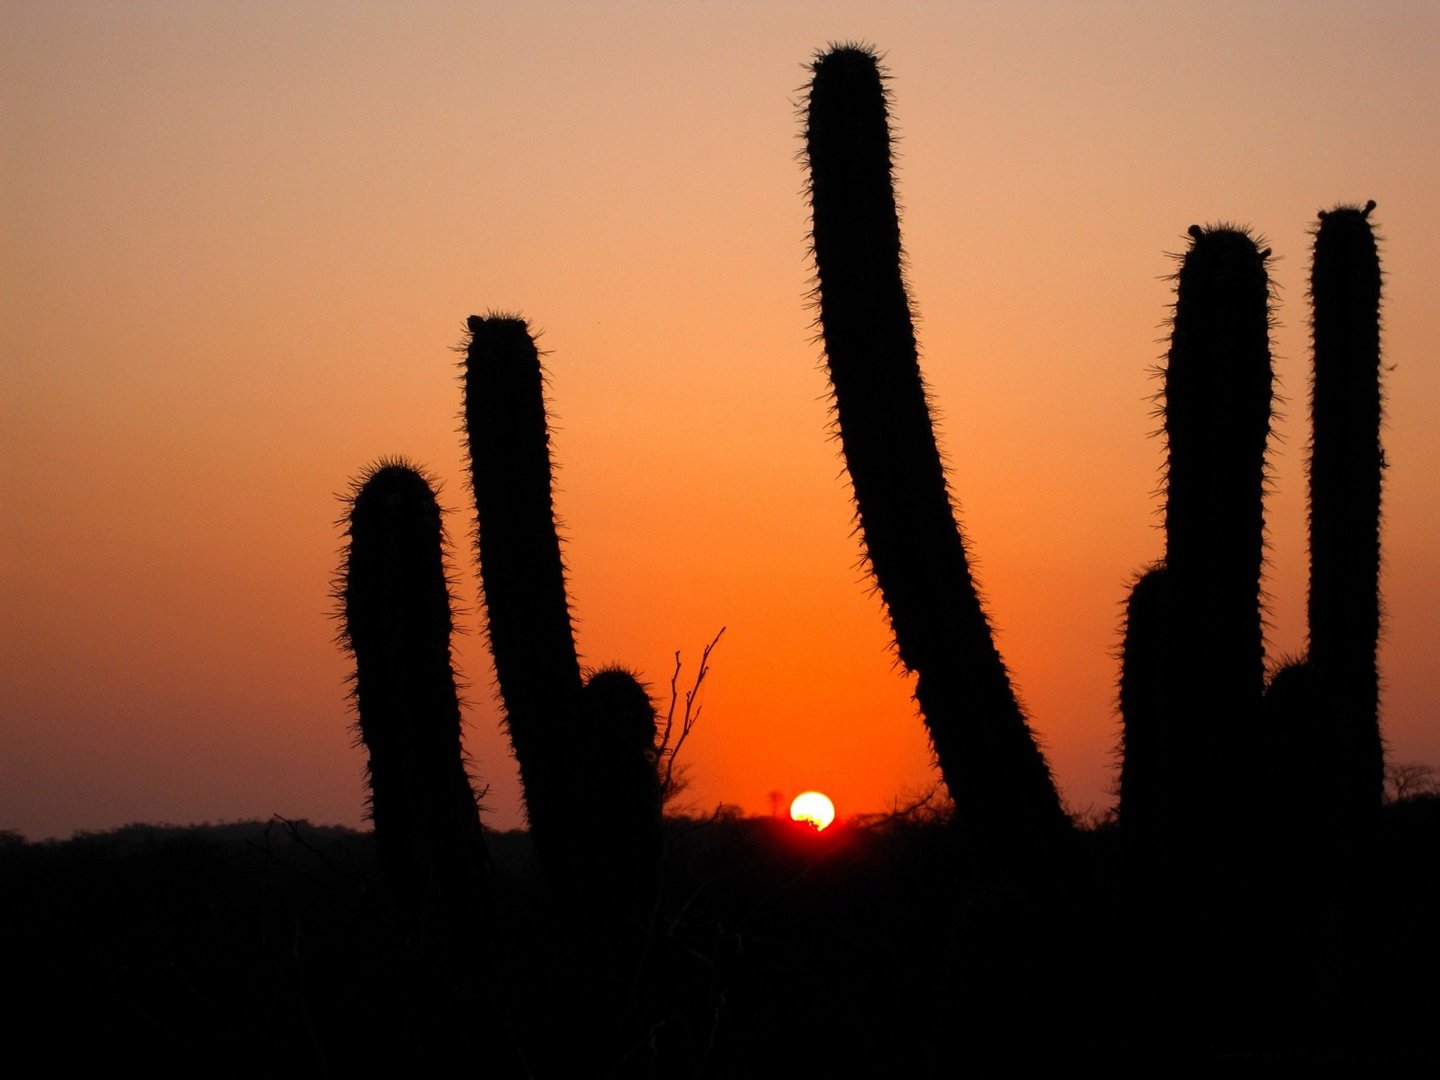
<point x="1218" y="390"/>
<point x="995" y="772"/>
<point x="397" y="622"/>
<point x="1346" y="461"/>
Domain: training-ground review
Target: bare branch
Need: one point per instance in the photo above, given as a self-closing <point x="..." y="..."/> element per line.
<point x="670" y="783"/>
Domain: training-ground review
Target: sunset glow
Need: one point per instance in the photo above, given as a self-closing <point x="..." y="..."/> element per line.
<point x="241" y="240"/>
<point x="813" y="809"/>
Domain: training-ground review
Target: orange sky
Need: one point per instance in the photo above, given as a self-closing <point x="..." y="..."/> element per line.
<point x="241" y="239"/>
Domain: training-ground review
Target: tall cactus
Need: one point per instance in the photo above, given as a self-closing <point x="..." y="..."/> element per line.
<point x="579" y="746"/>
<point x="999" y="779"/>
<point x="523" y="575"/>
<point x="397" y="623"/>
<point x="1217" y="394"/>
<point x="1346" y="462"/>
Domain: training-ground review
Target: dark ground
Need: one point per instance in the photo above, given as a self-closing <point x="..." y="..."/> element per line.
<point x="271" y="950"/>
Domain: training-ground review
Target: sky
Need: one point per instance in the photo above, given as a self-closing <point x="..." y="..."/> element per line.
<point x="239" y="242"/>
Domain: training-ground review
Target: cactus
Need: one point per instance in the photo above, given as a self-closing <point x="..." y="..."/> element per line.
<point x="996" y="774"/>
<point x="1204" y="739"/>
<point x="1217" y="402"/>
<point x="396" y="610"/>
<point x="1346" y="462"/>
<point x="578" y="746"/>
<point x="523" y="576"/>
<point x="1298" y="755"/>
<point x="1203" y="736"/>
<point x="1302" y="765"/>
<point x="1147" y="750"/>
<point x="618" y="738"/>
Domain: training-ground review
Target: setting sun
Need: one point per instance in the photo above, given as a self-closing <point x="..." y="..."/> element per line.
<point x="151" y="180"/>
<point x="813" y="809"/>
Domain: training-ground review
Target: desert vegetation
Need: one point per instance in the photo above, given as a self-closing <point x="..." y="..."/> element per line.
<point x="1254" y="897"/>
<point x="277" y="949"/>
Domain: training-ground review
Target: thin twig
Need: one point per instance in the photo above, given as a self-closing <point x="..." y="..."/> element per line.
<point x="689" y="718"/>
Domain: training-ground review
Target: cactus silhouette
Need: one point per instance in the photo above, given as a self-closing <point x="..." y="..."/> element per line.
<point x="618" y="738"/>
<point x="1147" y="747"/>
<point x="397" y="622"/>
<point x="1217" y="402"/>
<point x="1219" y="771"/>
<point x="995" y="772"/>
<point x="1346" y="462"/>
<point x="575" y="753"/>
<point x="1300" y="808"/>
<point x="522" y="573"/>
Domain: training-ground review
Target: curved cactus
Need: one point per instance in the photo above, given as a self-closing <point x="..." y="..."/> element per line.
<point x="396" y="608"/>
<point x="999" y="779"/>
<point x="1346" y="462"/>
<point x="1218" y="391"/>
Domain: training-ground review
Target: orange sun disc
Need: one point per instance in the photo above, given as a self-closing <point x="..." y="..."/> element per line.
<point x="813" y="809"/>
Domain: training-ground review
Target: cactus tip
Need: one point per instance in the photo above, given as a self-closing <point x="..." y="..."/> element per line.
<point x="850" y="50"/>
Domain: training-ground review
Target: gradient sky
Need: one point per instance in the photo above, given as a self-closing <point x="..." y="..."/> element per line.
<point x="240" y="241"/>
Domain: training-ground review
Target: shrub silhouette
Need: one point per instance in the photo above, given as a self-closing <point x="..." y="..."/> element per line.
<point x="1001" y="785"/>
